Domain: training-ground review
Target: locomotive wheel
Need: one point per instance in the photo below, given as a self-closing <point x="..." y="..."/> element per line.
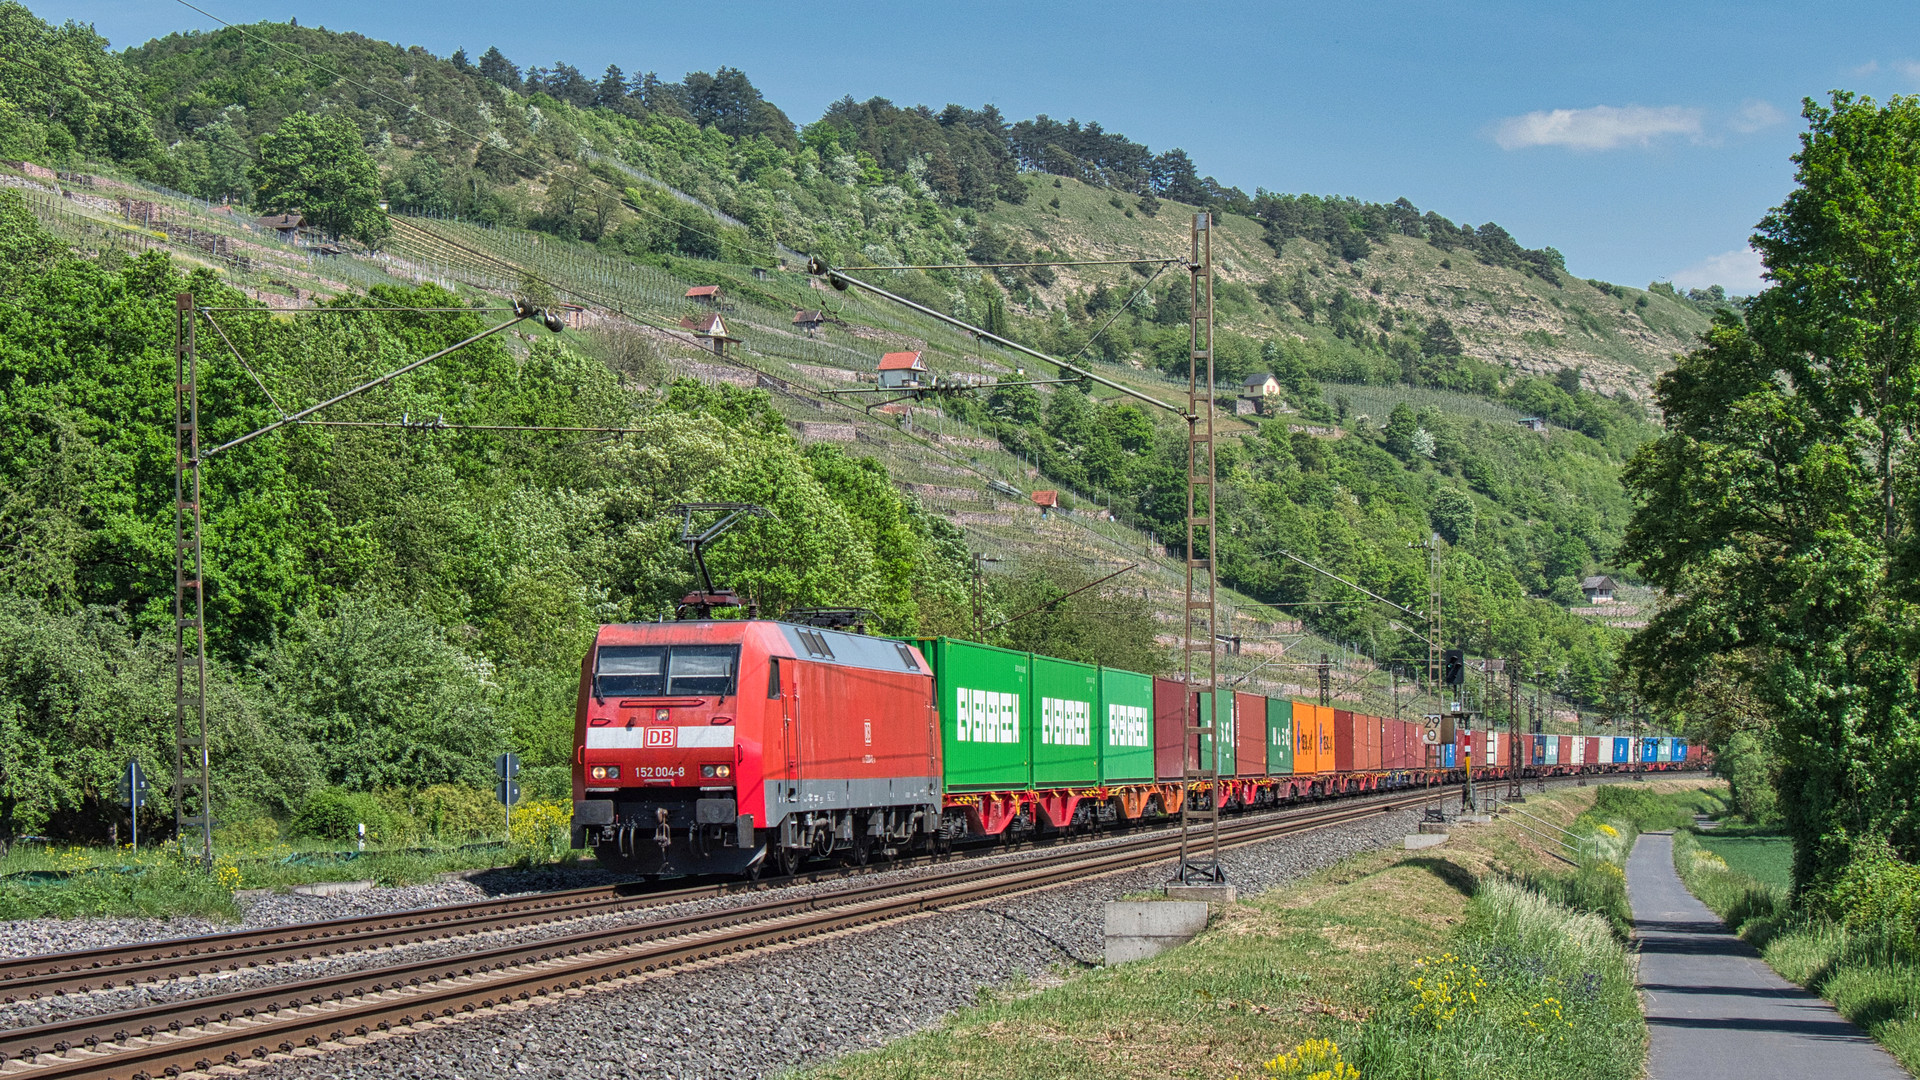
<point x="790" y="860"/>
<point x="862" y="850"/>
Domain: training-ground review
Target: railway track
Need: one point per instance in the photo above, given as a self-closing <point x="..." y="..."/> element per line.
<point x="155" y="962"/>
<point x="200" y="1033"/>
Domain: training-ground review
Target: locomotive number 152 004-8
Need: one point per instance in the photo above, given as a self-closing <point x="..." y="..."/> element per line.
<point x="664" y="772"/>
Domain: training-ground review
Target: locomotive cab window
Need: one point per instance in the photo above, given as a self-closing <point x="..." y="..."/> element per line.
<point x="660" y="671"/>
<point x="703" y="670"/>
<point x="636" y="670"/>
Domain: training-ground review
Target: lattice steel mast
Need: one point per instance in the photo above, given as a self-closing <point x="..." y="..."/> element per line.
<point x="192" y="772"/>
<point x="191" y="779"/>
<point x="1200" y="863"/>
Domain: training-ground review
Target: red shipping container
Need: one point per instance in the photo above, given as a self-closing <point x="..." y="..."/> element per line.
<point x="1376" y="739"/>
<point x="1169" y="728"/>
<point x="1566" y="749"/>
<point x="1397" y="745"/>
<point x="1250" y="735"/>
<point x="1593" y="751"/>
<point x="1348" y="742"/>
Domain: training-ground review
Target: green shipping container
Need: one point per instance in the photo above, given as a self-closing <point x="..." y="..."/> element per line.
<point x="1279" y="737"/>
<point x="985" y="714"/>
<point x="1223" y="727"/>
<point x="1126" y="740"/>
<point x="1066" y="696"/>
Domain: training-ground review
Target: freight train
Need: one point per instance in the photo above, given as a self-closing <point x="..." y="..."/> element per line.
<point x="734" y="747"/>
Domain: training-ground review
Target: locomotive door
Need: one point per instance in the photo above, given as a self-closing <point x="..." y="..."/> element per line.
<point x="790" y="720"/>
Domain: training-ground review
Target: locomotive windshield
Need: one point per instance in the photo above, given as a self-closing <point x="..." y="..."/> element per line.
<point x="702" y="669"/>
<point x="660" y="671"/>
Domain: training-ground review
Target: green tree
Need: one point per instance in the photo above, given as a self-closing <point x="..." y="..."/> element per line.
<point x="318" y="167"/>
<point x="1399" y="431"/>
<point x="1452" y="514"/>
<point x="385" y="699"/>
<point x="1777" y="512"/>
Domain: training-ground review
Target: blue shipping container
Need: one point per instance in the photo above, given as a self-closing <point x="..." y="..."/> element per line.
<point x="1649" y="749"/>
<point x="1539" y="751"/>
<point x="1447" y="756"/>
<point x="1622" y="750"/>
<point x="1679" y="749"/>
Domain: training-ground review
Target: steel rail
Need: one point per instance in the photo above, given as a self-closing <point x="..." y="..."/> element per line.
<point x="200" y="1033"/>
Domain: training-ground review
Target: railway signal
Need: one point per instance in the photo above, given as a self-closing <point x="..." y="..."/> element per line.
<point x="133" y="795"/>
<point x="506" y="768"/>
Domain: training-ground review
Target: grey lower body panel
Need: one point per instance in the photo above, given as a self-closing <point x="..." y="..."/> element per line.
<point x="786" y="797"/>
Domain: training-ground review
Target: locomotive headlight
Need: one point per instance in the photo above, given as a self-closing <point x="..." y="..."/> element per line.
<point x="715" y="772"/>
<point x="604" y="772"/>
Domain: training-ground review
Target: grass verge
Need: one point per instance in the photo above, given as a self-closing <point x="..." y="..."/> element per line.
<point x="71" y="882"/>
<point x="1871" y="974"/>
<point x="1338" y="967"/>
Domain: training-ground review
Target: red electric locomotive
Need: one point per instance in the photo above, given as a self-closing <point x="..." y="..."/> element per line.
<point x="714" y="747"/>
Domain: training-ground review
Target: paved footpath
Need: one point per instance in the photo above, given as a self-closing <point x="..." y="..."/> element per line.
<point x="1715" y="1010"/>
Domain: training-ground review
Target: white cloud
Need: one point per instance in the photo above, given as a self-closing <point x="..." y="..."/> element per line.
<point x="1908" y="69"/>
<point x="1738" y="271"/>
<point x="1603" y="127"/>
<point x="1754" y="115"/>
<point x="1865" y="69"/>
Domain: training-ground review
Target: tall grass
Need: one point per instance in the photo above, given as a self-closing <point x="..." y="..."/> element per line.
<point x="1530" y="988"/>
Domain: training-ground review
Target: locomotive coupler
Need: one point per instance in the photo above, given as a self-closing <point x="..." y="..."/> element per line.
<point x="662" y="835"/>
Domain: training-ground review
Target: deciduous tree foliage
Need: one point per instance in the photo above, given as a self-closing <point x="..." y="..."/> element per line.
<point x="317" y="167"/>
<point x="385" y="608"/>
<point x="1778" y="511"/>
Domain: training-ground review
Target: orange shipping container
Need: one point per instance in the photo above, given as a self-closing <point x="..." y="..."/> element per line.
<point x="1306" y="738"/>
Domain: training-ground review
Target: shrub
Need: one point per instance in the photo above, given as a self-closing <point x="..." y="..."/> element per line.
<point x="1877" y="889"/>
<point x="456" y="812"/>
<point x="333" y="814"/>
<point x="546" y="782"/>
<point x="248" y="832"/>
<point x="544" y="829"/>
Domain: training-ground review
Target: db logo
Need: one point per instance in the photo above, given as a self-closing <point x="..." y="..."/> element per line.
<point x="659" y="736"/>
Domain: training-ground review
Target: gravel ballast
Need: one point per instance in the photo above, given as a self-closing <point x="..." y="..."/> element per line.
<point x="770" y="1012"/>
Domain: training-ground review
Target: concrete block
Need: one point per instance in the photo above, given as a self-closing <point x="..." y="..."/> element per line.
<point x="1416" y="841"/>
<point x="1138" y="929"/>
<point x="1438" y="828"/>
<point x="1212" y="894"/>
<point x="332" y="888"/>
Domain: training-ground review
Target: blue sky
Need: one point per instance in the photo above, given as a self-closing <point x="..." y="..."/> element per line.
<point x="1642" y="140"/>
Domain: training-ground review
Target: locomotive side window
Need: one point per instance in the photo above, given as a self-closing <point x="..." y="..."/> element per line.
<point x="637" y="670"/>
<point x="773" y="678"/>
<point x="702" y="670"/>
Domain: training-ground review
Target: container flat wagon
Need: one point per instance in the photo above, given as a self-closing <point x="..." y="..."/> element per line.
<point x="733" y="746"/>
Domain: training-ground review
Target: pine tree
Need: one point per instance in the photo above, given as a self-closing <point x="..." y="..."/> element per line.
<point x="498" y="68"/>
